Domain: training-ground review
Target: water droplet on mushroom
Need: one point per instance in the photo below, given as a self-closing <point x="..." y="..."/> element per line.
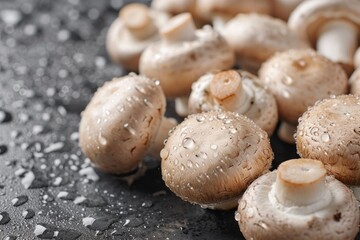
<point x="286" y="94"/>
<point x="237" y="216"/>
<point x="176" y="162"/>
<point x="4" y="218"/>
<point x="200" y="118"/>
<point x="325" y="137"/>
<point x="28" y="214"/>
<point x="10" y="17"/>
<point x="221" y="116"/>
<point x="287" y="80"/>
<point x="5" y="116"/>
<point x="203" y="155"/>
<point x="189" y="163"/>
<point x="188" y="143"/>
<point x="20" y="200"/>
<point x="130" y="129"/>
<point x="54" y="147"/>
<point x="182" y="167"/>
<point x="213" y="146"/>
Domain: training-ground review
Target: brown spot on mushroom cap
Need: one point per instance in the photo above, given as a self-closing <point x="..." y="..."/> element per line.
<point x="262" y="109"/>
<point x="212" y="157"/>
<point x="298" y="78"/>
<point x="123" y="47"/>
<point x="355" y="82"/>
<point x="308" y="18"/>
<point x="178" y="65"/>
<point x="258" y="218"/>
<point x="255" y="38"/>
<point x="117" y="125"/>
<point x="330" y="132"/>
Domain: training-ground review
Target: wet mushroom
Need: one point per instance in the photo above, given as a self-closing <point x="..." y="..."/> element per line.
<point x="330" y="132"/>
<point x="134" y="29"/>
<point x="283" y="8"/>
<point x="183" y="55"/>
<point x="255" y="38"/>
<point x="331" y="26"/>
<point x="297" y="79"/>
<point x="298" y="201"/>
<point x="219" y="12"/>
<point x="210" y="158"/>
<point x="123" y="122"/>
<point x="355" y="82"/>
<point x="236" y="91"/>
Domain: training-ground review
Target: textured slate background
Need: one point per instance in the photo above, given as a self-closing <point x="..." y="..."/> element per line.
<point x="52" y="59"/>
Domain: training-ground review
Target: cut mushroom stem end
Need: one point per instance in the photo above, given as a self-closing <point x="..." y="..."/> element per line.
<point x="136" y="18"/>
<point x="228" y="91"/>
<point x="338" y="41"/>
<point x="180" y="28"/>
<point x="286" y="132"/>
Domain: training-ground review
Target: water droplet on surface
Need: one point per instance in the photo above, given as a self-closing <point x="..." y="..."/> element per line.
<point x="189" y="163"/>
<point x="11" y="17"/>
<point x="89" y="173"/>
<point x="3" y="149"/>
<point x="28" y="214"/>
<point x="20" y="200"/>
<point x="91" y="200"/>
<point x="203" y="155"/>
<point x="325" y="137"/>
<point x="11" y="237"/>
<point x="54" y="147"/>
<point x="46" y="231"/>
<point x="188" y="143"/>
<point x="147" y="204"/>
<point x="99" y="223"/>
<point x="133" y="221"/>
<point x="4" y="218"/>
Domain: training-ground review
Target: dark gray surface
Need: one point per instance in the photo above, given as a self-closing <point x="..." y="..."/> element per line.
<point x="52" y="58"/>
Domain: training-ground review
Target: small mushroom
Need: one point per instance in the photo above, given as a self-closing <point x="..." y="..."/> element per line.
<point x="331" y="26"/>
<point x="355" y="82"/>
<point x="236" y="91"/>
<point x="183" y="55"/>
<point x="123" y="122"/>
<point x="134" y="29"/>
<point x="255" y="38"/>
<point x="210" y="158"/>
<point x="283" y="8"/>
<point x="298" y="201"/>
<point x="219" y="12"/>
<point x="330" y="132"/>
<point x="297" y="79"/>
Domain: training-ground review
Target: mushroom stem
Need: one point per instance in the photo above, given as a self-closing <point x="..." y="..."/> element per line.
<point x="357" y="58"/>
<point x="219" y="21"/>
<point x="338" y="41"/>
<point x="229" y="92"/>
<point x="157" y="141"/>
<point x="300" y="183"/>
<point x="286" y="132"/>
<point x="137" y="20"/>
<point x="181" y="106"/>
<point x="180" y="28"/>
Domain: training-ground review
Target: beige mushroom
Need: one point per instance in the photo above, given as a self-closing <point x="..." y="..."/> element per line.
<point x="134" y="29"/>
<point x="211" y="158"/>
<point x="283" y="8"/>
<point x="236" y="91"/>
<point x="219" y="12"/>
<point x="297" y="79"/>
<point x="331" y="26"/>
<point x="298" y="201"/>
<point x="357" y="59"/>
<point x="123" y="122"/>
<point x="330" y="132"/>
<point x="255" y="38"/>
<point x="355" y="82"/>
<point x="183" y="55"/>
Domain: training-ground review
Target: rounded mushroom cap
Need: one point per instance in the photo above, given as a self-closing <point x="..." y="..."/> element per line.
<point x="255" y="38"/>
<point x="212" y="157"/>
<point x="177" y="65"/>
<point x="259" y="218"/>
<point x="123" y="47"/>
<point x="262" y="109"/>
<point x="308" y="18"/>
<point x="209" y="8"/>
<point x="355" y="82"/>
<point x="330" y="132"/>
<point x="299" y="78"/>
<point x="117" y="125"/>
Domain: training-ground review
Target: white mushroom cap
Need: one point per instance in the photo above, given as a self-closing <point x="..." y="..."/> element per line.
<point x="330" y="132"/>
<point x="134" y="29"/>
<point x="183" y="55"/>
<point x="299" y="78"/>
<point x="314" y="206"/>
<point x="236" y="91"/>
<point x="255" y="38"/>
<point x="338" y="21"/>
<point x="122" y="123"/>
<point x="283" y="8"/>
<point x="211" y="158"/>
<point x="355" y="82"/>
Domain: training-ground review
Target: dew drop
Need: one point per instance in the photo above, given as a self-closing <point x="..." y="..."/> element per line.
<point x="102" y="140"/>
<point x="28" y="214"/>
<point x="325" y="137"/>
<point x="203" y="155"/>
<point x="188" y="143"/>
<point x="200" y="118"/>
<point x="237" y="216"/>
<point x="164" y="153"/>
<point x="4" y="218"/>
<point x="20" y="200"/>
<point x="189" y="163"/>
<point x="213" y="146"/>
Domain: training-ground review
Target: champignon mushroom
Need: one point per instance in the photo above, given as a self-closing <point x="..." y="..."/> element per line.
<point x="283" y="8"/>
<point x="297" y="79"/>
<point x="123" y="122"/>
<point x="355" y="82"/>
<point x="331" y="26"/>
<point x="298" y="201"/>
<point x="330" y="132"/>
<point x="134" y="29"/>
<point x="236" y="91"/>
<point x="183" y="55"/>
<point x="219" y="12"/>
<point x="210" y="158"/>
<point x="255" y="38"/>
